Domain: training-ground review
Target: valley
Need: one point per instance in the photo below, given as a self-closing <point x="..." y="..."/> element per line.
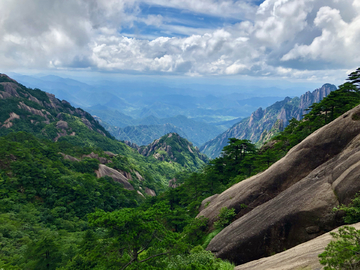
<point x="180" y="135"/>
<point x="65" y="179"/>
<point x="132" y="112"/>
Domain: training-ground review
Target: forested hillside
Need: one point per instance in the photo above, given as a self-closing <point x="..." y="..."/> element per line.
<point x="58" y="165"/>
<point x="46" y="117"/>
<point x="59" y="212"/>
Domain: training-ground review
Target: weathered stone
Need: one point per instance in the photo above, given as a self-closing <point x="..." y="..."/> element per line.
<point x="110" y="154"/>
<point x="150" y="192"/>
<point x="138" y="192"/>
<point x="172" y="183"/>
<point x="138" y="175"/>
<point x="293" y="195"/>
<point x="8" y="123"/>
<point x="68" y="157"/>
<point x="300" y="257"/>
<point x="114" y="174"/>
<point x="62" y="124"/>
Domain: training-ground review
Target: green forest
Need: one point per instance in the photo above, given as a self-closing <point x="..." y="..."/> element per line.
<point x="56" y="214"/>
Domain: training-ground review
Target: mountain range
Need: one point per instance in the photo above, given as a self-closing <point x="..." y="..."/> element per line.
<point x="68" y="188"/>
<point x="260" y="121"/>
<point x="43" y="115"/>
<point x="201" y="115"/>
<point x="291" y="202"/>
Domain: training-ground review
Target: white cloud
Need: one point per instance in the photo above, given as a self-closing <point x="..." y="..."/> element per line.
<point x="338" y="42"/>
<point x="223" y="8"/>
<point x="281" y="21"/>
<point x="286" y="38"/>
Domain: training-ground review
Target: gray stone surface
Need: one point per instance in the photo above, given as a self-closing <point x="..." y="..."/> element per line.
<point x="301" y="257"/>
<point x="292" y="201"/>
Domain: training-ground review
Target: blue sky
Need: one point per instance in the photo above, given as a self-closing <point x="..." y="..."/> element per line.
<point x="298" y="41"/>
<point x="175" y="22"/>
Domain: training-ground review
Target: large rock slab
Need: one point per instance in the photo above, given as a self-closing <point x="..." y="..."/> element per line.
<point x="303" y="256"/>
<point x="292" y="201"/>
<point x="114" y="174"/>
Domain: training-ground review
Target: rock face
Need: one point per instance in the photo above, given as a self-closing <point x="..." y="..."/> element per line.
<point x="292" y="201"/>
<point x="37" y="110"/>
<point x="114" y="174"/>
<point x="253" y="127"/>
<point x="303" y="256"/>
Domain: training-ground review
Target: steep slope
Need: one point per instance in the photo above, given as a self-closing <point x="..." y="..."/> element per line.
<point x="43" y="115"/>
<point x="35" y="111"/>
<point x="303" y="256"/>
<point x="253" y="127"/>
<point x="173" y="148"/>
<point x="292" y="201"/>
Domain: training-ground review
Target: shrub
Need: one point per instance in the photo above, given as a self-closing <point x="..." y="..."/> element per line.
<point x="226" y="216"/>
<point x="344" y="253"/>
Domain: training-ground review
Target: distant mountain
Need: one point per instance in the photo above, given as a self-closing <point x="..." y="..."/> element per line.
<point x="146" y="130"/>
<point x="173" y="148"/>
<point x="142" y="99"/>
<point x="143" y="134"/>
<point x="74" y="130"/>
<point x="253" y="127"/>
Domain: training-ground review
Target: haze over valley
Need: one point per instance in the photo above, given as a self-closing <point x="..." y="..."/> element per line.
<point x="179" y="134"/>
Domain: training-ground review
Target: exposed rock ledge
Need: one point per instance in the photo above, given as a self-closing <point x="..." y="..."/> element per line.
<point x="292" y="201"/>
<point x="114" y="174"/>
<point x="303" y="256"/>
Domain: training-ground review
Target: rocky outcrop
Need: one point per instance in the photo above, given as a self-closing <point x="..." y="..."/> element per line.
<point x="132" y="145"/>
<point x="173" y="184"/>
<point x="267" y="135"/>
<point x="110" y="154"/>
<point x="150" y="192"/>
<point x="68" y="157"/>
<point x="292" y="201"/>
<point x="253" y="127"/>
<point x="30" y="104"/>
<point x="138" y="175"/>
<point x="102" y="160"/>
<point x="303" y="256"/>
<point x="8" y="123"/>
<point x="114" y="174"/>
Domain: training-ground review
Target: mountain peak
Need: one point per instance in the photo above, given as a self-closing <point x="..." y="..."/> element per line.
<point x="6" y="78"/>
<point x="41" y="112"/>
<point x="173" y="148"/>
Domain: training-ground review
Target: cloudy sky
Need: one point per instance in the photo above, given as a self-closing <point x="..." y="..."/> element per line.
<point x="310" y="40"/>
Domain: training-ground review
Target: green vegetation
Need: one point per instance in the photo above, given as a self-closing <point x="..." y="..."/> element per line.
<point x="261" y="125"/>
<point x="343" y="253"/>
<point x="335" y="104"/>
<point x="173" y="148"/>
<point x="352" y="211"/>
<point x="56" y="214"/>
<point x="226" y="216"/>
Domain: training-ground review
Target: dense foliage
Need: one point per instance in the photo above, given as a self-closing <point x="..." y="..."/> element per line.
<point x="45" y="200"/>
<point x="342" y="253"/>
<point x="173" y="148"/>
<point x="56" y="214"/>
